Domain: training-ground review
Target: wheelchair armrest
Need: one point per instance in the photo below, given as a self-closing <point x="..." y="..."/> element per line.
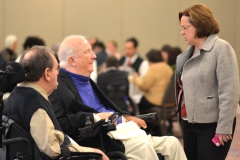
<point x="116" y="155"/>
<point x="75" y="155"/>
<point x="18" y="140"/>
<point x="148" y="117"/>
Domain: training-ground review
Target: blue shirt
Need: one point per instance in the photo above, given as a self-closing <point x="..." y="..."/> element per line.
<point x="88" y="95"/>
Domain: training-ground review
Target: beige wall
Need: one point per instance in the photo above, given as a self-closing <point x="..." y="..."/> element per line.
<point x="1" y="23"/>
<point x="153" y="22"/>
<point x="237" y="31"/>
<point x="28" y="17"/>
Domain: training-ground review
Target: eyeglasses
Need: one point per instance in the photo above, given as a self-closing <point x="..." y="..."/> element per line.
<point x="185" y="27"/>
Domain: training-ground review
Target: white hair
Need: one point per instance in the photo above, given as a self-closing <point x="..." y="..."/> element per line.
<point x="67" y="48"/>
<point x="10" y="40"/>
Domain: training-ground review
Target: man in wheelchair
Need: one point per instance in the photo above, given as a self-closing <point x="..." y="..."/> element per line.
<point x="78" y="97"/>
<point x="28" y="104"/>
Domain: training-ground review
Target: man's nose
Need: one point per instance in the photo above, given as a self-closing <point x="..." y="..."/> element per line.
<point x="93" y="55"/>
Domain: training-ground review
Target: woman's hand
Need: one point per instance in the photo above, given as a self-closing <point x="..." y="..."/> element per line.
<point x="224" y="138"/>
<point x="138" y="121"/>
<point x="135" y="75"/>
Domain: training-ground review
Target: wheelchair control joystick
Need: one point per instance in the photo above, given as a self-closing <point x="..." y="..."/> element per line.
<point x="109" y="124"/>
<point x="88" y="122"/>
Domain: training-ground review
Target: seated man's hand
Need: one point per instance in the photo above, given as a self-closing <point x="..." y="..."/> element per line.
<point x="138" y="121"/>
<point x="103" y="115"/>
<point x="104" y="157"/>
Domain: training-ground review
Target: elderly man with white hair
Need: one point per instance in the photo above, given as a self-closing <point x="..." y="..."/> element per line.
<point x="78" y="97"/>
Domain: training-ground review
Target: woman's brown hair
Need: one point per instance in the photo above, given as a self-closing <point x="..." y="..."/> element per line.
<point x="202" y="19"/>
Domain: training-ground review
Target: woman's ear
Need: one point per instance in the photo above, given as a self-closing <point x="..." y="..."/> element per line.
<point x="47" y="74"/>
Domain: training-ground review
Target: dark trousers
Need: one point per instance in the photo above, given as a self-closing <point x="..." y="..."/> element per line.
<point x="198" y="145"/>
<point x="144" y="103"/>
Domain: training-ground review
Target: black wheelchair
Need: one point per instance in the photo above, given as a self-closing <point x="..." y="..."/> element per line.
<point x="19" y="145"/>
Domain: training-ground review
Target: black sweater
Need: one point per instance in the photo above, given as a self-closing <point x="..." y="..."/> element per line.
<point x="21" y="105"/>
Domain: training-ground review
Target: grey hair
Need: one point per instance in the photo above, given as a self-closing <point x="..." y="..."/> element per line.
<point x="10" y="40"/>
<point x="35" y="64"/>
<point x="67" y="48"/>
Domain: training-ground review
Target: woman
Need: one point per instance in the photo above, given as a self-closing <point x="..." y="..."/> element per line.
<point x="172" y="56"/>
<point x="165" y="52"/>
<point x="207" y="86"/>
<point x="155" y="81"/>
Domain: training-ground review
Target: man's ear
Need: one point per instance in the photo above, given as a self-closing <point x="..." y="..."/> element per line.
<point x="71" y="61"/>
<point x="47" y="74"/>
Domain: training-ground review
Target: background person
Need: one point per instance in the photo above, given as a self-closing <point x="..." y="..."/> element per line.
<point x="114" y="84"/>
<point x="132" y="62"/>
<point x="153" y="84"/>
<point x="165" y="52"/>
<point x="172" y="57"/>
<point x="132" y="59"/>
<point x="111" y="47"/>
<point x="9" y="52"/>
<point x="29" y="42"/>
<point x="155" y="81"/>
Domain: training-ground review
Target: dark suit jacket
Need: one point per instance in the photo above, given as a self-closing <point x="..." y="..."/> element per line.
<point x="69" y="108"/>
<point x="101" y="57"/>
<point x="114" y="84"/>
